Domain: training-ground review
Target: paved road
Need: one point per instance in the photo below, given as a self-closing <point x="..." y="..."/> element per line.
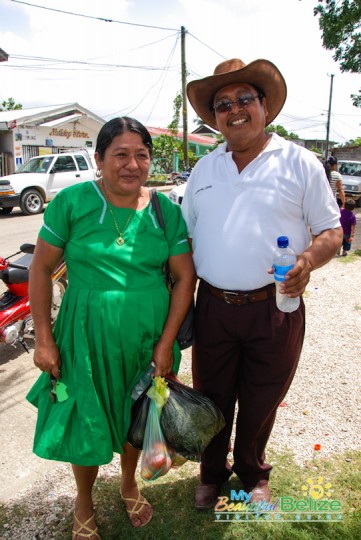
<point x="19" y="466"/>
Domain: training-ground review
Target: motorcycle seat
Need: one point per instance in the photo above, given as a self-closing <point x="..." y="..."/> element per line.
<point x="17" y="275"/>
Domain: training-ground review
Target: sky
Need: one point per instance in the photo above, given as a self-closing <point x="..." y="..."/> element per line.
<point x="134" y="69"/>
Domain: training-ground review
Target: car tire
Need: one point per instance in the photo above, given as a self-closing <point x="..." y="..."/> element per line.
<point x="31" y="202"/>
<point x="6" y="211"/>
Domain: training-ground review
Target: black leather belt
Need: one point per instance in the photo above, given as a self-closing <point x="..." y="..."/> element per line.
<point x="240" y="298"/>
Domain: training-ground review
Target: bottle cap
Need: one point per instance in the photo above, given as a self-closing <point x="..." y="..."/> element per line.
<point x="282" y="241"/>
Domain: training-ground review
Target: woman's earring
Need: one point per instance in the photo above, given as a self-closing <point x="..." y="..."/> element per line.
<point x="98" y="173"/>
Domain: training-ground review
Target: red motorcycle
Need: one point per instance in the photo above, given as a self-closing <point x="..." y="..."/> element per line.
<point x="16" y="322"/>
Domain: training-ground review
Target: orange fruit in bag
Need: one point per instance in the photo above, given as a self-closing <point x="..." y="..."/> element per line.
<point x="146" y="473"/>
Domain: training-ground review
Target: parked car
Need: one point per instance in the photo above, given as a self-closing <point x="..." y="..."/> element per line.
<point x="351" y="179"/>
<point x="177" y="193"/>
<point x="41" y="178"/>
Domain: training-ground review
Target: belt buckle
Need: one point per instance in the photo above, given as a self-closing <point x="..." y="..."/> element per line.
<point x="229" y="293"/>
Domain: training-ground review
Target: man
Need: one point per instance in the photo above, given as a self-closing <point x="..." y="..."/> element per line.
<point x="253" y="188"/>
<point x="336" y="181"/>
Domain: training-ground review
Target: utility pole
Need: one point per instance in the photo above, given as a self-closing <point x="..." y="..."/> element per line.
<point x="184" y="97"/>
<point x="329" y="119"/>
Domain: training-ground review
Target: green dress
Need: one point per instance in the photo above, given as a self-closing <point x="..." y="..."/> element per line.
<point x="111" y="316"/>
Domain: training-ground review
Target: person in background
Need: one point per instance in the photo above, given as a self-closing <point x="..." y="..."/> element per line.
<point x="348" y="223"/>
<point x="115" y="319"/>
<point x="250" y="190"/>
<point x="336" y="181"/>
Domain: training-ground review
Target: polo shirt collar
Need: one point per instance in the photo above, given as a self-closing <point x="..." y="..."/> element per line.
<point x="276" y="143"/>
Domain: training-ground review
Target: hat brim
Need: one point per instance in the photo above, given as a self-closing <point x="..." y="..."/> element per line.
<point x="260" y="73"/>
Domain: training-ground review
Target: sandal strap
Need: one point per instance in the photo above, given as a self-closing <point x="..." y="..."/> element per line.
<point x="140" y="501"/>
<point x="90" y="533"/>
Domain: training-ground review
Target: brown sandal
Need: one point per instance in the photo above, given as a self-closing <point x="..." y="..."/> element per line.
<point x="90" y="533"/>
<point x="137" y="508"/>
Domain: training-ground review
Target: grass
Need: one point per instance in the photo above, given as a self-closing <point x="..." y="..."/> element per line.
<point x="175" y="516"/>
<point x="351" y="257"/>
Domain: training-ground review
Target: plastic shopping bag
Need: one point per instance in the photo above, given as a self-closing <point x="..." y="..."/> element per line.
<point x="156" y="459"/>
<point x="140" y="409"/>
<point x="139" y="415"/>
<point x="189" y="420"/>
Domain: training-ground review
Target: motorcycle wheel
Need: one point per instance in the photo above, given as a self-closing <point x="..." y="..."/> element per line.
<point x="59" y="288"/>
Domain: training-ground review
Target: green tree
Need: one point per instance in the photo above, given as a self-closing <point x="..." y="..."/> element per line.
<point x="340" y="23"/>
<point x="281" y="131"/>
<point x="9" y="105"/>
<point x="199" y="122"/>
<point x="165" y="145"/>
<point x="163" y="152"/>
<point x="177" y="104"/>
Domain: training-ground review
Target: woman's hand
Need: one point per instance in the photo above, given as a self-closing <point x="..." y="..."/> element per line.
<point x="45" y="259"/>
<point x="47" y="358"/>
<point x="163" y="359"/>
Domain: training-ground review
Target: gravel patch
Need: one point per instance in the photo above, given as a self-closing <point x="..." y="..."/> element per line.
<point x="322" y="407"/>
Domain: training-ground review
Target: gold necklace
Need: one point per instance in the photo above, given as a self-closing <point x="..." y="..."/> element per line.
<point x="120" y="239"/>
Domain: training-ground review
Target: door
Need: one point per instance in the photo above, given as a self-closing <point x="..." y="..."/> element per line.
<point x="66" y="171"/>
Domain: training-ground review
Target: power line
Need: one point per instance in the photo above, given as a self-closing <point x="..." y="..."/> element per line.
<point x="102" y="19"/>
<point x="164" y="77"/>
<point x="153" y="42"/>
<point x="208" y="47"/>
<point x="133" y="108"/>
<point x="57" y="61"/>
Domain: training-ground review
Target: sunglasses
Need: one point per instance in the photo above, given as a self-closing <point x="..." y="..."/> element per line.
<point x="225" y="105"/>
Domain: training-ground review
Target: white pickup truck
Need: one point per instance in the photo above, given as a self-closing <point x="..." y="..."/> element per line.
<point x="41" y="178"/>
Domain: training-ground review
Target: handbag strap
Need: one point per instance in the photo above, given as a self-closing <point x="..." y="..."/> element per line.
<point x="158" y="212"/>
<point x="156" y="206"/>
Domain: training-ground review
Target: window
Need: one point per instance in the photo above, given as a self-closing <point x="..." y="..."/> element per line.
<point x="64" y="164"/>
<point x="82" y="164"/>
<point x="350" y="168"/>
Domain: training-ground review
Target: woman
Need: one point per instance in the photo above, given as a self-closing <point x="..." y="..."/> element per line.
<point x="115" y="317"/>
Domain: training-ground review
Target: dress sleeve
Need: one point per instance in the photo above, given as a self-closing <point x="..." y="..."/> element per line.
<point x="56" y="226"/>
<point x="175" y="226"/>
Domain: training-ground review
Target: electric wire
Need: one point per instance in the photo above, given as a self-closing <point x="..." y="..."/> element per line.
<point x="132" y="108"/>
<point x="102" y="19"/>
<point x="208" y="47"/>
<point x="160" y="78"/>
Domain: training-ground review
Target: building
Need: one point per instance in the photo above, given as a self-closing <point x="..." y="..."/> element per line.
<point x="198" y="144"/>
<point x="25" y="133"/>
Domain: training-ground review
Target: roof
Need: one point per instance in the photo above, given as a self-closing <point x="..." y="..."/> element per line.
<point x="41" y="116"/>
<point x="3" y="56"/>
<point x="196" y="139"/>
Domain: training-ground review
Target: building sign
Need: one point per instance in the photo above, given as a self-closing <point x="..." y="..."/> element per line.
<point x="55" y="132"/>
<point x="26" y="134"/>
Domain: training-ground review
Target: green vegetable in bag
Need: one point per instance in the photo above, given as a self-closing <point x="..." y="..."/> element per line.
<point x="189" y="420"/>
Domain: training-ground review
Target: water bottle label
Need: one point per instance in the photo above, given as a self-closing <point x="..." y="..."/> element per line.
<point x="281" y="271"/>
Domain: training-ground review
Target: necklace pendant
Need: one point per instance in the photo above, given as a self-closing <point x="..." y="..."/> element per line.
<point x="120" y="241"/>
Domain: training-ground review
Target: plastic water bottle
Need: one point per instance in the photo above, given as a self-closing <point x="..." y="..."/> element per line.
<point x="285" y="260"/>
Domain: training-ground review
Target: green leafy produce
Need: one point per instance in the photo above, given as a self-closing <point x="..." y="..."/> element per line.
<point x="189" y="420"/>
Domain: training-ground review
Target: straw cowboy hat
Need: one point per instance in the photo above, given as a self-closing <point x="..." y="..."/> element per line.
<point x="260" y="73"/>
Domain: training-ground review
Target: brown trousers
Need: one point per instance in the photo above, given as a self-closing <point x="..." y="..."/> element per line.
<point x="247" y="354"/>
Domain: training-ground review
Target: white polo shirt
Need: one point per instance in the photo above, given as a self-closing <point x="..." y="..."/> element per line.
<point x="234" y="219"/>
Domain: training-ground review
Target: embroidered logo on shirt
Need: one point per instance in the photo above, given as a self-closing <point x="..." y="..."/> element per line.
<point x="203" y="188"/>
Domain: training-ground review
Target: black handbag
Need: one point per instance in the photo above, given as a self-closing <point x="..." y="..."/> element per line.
<point x="185" y="335"/>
